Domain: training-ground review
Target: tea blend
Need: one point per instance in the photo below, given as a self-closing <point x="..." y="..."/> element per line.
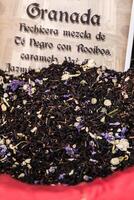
<point x="66" y="123"/>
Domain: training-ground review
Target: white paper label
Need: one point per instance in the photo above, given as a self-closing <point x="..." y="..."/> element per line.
<point x="33" y="34"/>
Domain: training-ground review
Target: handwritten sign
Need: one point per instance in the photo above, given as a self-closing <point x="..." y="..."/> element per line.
<point x="33" y="34"/>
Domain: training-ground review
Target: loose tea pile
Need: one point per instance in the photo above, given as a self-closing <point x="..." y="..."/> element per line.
<point x="66" y="123"/>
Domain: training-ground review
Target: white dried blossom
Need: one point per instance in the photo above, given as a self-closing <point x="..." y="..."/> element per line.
<point x="39" y="116"/>
<point x="5" y="85"/>
<point x="103" y="119"/>
<point x="107" y="102"/>
<point x="83" y="82"/>
<point x="93" y="101"/>
<point x="67" y="76"/>
<point x="95" y="136"/>
<point x="34" y="129"/>
<point x="25" y="87"/>
<point x="87" y="129"/>
<point x="52" y="169"/>
<point x="123" y="145"/>
<point x="8" y="141"/>
<point x="127" y="79"/>
<point x="28" y="160"/>
<point x="86" y="178"/>
<point x="45" y="79"/>
<point x="78" y="119"/>
<point x="124" y="94"/>
<point x="115" y="161"/>
<point x="32" y="83"/>
<point x="21" y="175"/>
<point x="24" y="102"/>
<point x="33" y="90"/>
<point x="5" y="95"/>
<point x="3" y="107"/>
<point x="76" y="124"/>
<point x="59" y="126"/>
<point x="2" y="141"/>
<point x="77" y="108"/>
<point x="71" y="172"/>
<point x="114" y="81"/>
<point x="104" y="110"/>
<point x="91" y="63"/>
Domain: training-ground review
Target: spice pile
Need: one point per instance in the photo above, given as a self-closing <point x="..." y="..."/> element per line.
<point x="66" y="124"/>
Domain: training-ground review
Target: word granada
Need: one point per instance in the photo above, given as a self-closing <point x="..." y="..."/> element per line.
<point x="34" y="11"/>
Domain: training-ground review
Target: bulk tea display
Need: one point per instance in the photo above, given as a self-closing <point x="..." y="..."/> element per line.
<point x="66" y="124"/>
<point x="34" y="34"/>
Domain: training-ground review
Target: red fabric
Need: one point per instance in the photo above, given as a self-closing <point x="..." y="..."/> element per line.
<point x="119" y="186"/>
